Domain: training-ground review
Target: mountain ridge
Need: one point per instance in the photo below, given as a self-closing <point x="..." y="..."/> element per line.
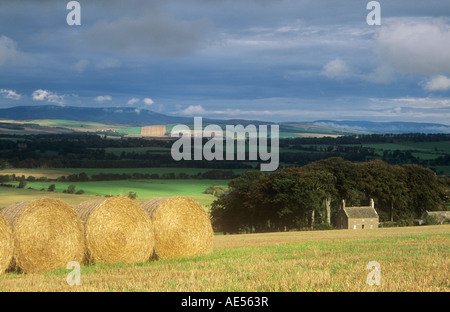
<point x="137" y="117"/>
<point x="385" y="126"/>
<point x="115" y="115"/>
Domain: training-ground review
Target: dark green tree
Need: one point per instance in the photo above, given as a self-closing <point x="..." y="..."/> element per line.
<point x="232" y="213"/>
<point x="132" y="195"/>
<point x="387" y="185"/>
<point x="426" y="191"/>
<point x="71" y="189"/>
<point x="22" y="183"/>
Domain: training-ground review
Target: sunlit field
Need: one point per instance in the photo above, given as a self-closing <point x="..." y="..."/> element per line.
<point x="411" y="259"/>
<point x="145" y="189"/>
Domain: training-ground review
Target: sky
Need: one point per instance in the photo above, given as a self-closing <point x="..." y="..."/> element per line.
<point x="269" y="60"/>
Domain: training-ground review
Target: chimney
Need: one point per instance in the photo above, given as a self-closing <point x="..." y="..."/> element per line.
<point x="343" y="203"/>
<point x="372" y="204"/>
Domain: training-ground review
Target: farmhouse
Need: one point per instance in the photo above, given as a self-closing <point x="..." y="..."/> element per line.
<point x="442" y="216"/>
<point x="364" y="217"/>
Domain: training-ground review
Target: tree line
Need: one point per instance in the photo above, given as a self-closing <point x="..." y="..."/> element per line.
<point x="83" y="177"/>
<point x="288" y="198"/>
<point x="91" y="151"/>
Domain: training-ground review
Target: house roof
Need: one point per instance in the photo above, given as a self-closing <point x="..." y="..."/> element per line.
<point x="361" y="212"/>
<point x="439" y="214"/>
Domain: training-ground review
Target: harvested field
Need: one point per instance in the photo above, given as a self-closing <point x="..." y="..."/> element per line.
<point x="412" y="259"/>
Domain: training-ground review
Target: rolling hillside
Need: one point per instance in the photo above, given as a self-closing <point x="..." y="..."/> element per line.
<point x="115" y="115"/>
<point x="127" y="120"/>
<point x="385" y="127"/>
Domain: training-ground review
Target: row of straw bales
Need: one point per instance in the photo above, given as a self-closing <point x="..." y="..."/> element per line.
<point x="46" y="234"/>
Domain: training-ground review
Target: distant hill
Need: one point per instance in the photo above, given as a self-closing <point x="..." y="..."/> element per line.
<point x="115" y="115"/>
<point x="132" y="117"/>
<point x="311" y="130"/>
<point x="385" y="127"/>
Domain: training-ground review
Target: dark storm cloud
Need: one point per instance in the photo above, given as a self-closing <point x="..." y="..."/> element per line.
<point x="157" y="34"/>
<point x="281" y="58"/>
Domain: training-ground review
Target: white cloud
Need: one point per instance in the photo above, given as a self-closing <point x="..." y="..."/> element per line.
<point x="50" y="97"/>
<point x="148" y="101"/>
<point x="437" y="83"/>
<point x="428" y="102"/>
<point x="198" y="110"/>
<point x="336" y="69"/>
<point x="418" y="46"/>
<point x="103" y="98"/>
<point x="10" y="94"/>
<point x="9" y="52"/>
<point x="426" y="109"/>
<point x="194" y="110"/>
<point x="133" y="101"/>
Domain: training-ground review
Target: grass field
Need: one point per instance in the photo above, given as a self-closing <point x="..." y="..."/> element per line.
<point x="434" y="147"/>
<point x="411" y="259"/>
<point x="78" y="126"/>
<point x="55" y="173"/>
<point x="145" y="189"/>
<point x="422" y="150"/>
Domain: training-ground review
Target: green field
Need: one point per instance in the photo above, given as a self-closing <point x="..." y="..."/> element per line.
<point x="56" y="172"/>
<point x="92" y="171"/>
<point x="67" y="123"/>
<point x="144" y="189"/>
<point x="435" y="147"/>
<point x="81" y="126"/>
<point x="423" y="151"/>
<point x="132" y="130"/>
<point x="138" y="150"/>
<point x="307" y="130"/>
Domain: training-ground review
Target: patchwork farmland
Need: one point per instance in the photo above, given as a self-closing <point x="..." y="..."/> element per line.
<point x="411" y="258"/>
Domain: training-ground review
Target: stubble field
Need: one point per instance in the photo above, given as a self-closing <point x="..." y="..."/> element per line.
<point x="410" y="259"/>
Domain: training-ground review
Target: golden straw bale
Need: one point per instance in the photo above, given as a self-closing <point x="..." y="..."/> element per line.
<point x="48" y="234"/>
<point x="117" y="231"/>
<point x="182" y="227"/>
<point x="6" y="244"/>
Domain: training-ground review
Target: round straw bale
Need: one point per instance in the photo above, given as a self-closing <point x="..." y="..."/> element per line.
<point x="6" y="244"/>
<point x="48" y="234"/>
<point x="117" y="231"/>
<point x="182" y="227"/>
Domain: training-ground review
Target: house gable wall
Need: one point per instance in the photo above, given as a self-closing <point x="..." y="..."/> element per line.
<point x="367" y="223"/>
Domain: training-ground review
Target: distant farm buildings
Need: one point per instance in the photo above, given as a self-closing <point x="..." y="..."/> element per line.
<point x="364" y="217"/>
<point x="441" y="216"/>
